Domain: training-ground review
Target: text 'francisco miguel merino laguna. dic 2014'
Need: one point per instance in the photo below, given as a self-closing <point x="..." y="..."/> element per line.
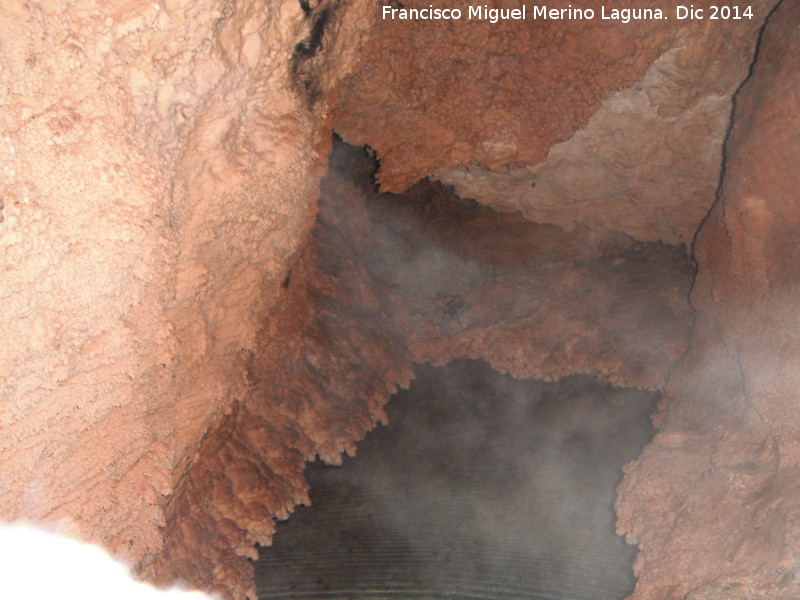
<point x="524" y="12"/>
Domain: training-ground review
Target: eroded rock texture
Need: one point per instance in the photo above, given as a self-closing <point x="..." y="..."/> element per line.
<point x="326" y="365"/>
<point x="648" y="160"/>
<point x="531" y="299"/>
<point x="391" y="280"/>
<point x="720" y="480"/>
<point x="618" y="127"/>
<point x="159" y="166"/>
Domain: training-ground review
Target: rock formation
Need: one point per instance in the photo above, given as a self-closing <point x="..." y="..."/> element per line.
<point x="616" y="127"/>
<point x="160" y="166"/>
<point x="182" y="332"/>
<point x="720" y="479"/>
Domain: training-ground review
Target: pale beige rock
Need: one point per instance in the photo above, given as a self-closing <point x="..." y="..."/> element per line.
<point x="159" y="168"/>
<point x="648" y="161"/>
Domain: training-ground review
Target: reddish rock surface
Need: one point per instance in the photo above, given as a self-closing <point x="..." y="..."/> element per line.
<point x="159" y="167"/>
<point x="619" y="127"/>
<point x="495" y="94"/>
<point x="534" y="301"/>
<point x="720" y="480"/>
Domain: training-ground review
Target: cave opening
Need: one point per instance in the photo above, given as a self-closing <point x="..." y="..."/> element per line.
<point x="539" y="354"/>
<point x="481" y="486"/>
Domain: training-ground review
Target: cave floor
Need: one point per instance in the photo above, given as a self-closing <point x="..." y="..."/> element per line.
<point x="481" y="486"/>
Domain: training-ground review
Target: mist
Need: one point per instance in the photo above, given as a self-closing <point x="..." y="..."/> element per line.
<point x="494" y="478"/>
<point x="481" y="486"/>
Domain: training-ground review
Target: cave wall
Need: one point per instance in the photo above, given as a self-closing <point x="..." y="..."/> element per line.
<point x="647" y="162"/>
<point x="613" y="126"/>
<point x="160" y="163"/>
<point x="720" y="480"/>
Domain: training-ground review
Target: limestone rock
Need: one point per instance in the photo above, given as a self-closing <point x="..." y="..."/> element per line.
<point x="720" y="479"/>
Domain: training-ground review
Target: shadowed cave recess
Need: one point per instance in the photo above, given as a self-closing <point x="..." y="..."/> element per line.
<point x="566" y="249"/>
<point x="481" y="487"/>
<point x="425" y="277"/>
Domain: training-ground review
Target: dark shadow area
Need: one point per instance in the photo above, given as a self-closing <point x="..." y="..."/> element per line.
<point x="481" y="486"/>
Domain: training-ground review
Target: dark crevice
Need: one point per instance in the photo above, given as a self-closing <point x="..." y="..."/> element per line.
<point x="313" y="43"/>
<point x="731" y="124"/>
<point x="320" y="19"/>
